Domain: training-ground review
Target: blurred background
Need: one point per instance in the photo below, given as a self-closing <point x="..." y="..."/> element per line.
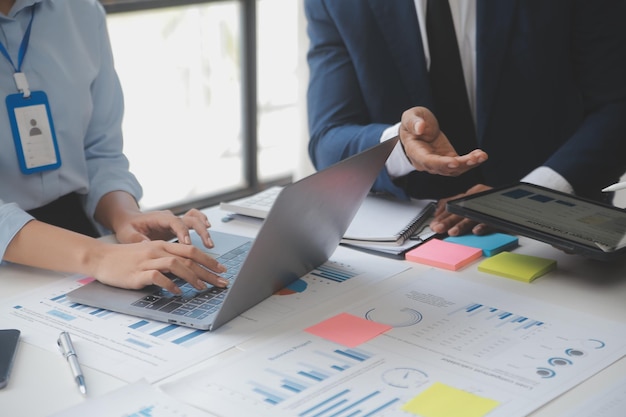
<point x="214" y="96"/>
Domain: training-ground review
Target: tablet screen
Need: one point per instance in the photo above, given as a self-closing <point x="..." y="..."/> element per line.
<point x="551" y="213"/>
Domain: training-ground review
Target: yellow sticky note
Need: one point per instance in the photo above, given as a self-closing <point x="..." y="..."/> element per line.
<point x="521" y="267"/>
<point x="441" y="400"/>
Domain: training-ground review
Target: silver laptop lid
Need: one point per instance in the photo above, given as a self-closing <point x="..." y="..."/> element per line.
<point x="301" y="231"/>
<point x="303" y="228"/>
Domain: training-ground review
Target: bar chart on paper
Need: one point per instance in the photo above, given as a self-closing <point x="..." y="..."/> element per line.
<point x="287" y="379"/>
<point x="452" y="342"/>
<point x="129" y="347"/>
<point x="155" y="409"/>
<point x="303" y="376"/>
<point x="125" y="346"/>
<point x="479" y="330"/>
<point x="147" y="411"/>
<point x="334" y="271"/>
<point x="138" y="399"/>
<point x="352" y="402"/>
<point x="322" y="277"/>
<point x="498" y="317"/>
<point x="62" y="300"/>
<point x="502" y="335"/>
<point x="170" y="333"/>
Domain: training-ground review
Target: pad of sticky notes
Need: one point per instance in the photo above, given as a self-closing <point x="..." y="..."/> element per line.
<point x="491" y="244"/>
<point x="442" y="254"/>
<point x="347" y="329"/>
<point x="517" y="266"/>
<point x="442" y="400"/>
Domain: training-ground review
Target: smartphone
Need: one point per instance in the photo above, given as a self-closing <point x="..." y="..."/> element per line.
<point x="9" y="339"/>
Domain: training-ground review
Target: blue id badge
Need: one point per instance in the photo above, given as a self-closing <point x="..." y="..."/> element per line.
<point x="33" y="132"/>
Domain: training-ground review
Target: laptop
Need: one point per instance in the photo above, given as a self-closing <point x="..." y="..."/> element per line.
<point x="301" y="231"/>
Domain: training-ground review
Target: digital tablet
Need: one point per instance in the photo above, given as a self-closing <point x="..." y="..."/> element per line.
<point x="571" y="223"/>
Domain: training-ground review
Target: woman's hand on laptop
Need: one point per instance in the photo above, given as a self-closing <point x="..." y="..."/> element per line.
<point x="453" y="224"/>
<point x="164" y="225"/>
<point x="130" y="265"/>
<point x="118" y="211"/>
<point x="136" y="265"/>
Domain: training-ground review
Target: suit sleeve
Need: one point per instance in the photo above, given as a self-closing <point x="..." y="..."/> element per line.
<point x="337" y="114"/>
<point x="595" y="154"/>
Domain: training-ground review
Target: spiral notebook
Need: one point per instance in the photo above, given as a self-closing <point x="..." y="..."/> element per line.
<point x="382" y="226"/>
<point x="383" y="220"/>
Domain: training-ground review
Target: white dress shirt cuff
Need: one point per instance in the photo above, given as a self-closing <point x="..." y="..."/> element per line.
<point x="549" y="178"/>
<point x="397" y="164"/>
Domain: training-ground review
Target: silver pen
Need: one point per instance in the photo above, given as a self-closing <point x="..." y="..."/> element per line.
<point x="67" y="349"/>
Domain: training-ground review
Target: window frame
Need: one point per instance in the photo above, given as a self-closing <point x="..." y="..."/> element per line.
<point x="249" y="92"/>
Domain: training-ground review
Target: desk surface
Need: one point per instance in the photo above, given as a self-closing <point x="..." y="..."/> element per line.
<point x="41" y="384"/>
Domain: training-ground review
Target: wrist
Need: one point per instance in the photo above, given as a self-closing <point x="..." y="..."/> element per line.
<point x="90" y="258"/>
<point x="115" y="209"/>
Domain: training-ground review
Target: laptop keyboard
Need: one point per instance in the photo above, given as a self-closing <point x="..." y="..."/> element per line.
<point x="191" y="302"/>
<point x="256" y="205"/>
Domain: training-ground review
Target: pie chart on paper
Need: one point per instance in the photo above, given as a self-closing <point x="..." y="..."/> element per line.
<point x="293" y="288"/>
<point x="403" y="317"/>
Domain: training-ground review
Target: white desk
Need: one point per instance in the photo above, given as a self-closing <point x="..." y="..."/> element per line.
<point x="41" y="384"/>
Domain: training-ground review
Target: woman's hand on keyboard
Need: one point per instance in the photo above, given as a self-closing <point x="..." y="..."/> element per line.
<point x="164" y="225"/>
<point x="137" y="265"/>
<point x="118" y="211"/>
<point x="130" y="265"/>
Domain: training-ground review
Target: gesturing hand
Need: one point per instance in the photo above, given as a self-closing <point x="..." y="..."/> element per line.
<point x="429" y="149"/>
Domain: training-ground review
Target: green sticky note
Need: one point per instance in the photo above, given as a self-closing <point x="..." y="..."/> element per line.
<point x="524" y="268"/>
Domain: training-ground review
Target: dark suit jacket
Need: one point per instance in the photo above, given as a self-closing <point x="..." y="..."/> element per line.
<point x="550" y="76"/>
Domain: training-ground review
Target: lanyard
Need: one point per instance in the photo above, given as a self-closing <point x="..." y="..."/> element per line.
<point x="20" y="78"/>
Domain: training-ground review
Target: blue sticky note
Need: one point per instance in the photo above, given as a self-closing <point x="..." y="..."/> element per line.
<point x="490" y="244"/>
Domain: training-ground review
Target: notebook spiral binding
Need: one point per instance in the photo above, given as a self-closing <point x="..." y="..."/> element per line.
<point x="417" y="224"/>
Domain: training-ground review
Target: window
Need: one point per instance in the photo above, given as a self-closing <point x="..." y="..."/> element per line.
<point x="207" y="119"/>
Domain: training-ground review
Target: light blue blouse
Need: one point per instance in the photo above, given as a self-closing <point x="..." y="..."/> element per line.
<point x="69" y="58"/>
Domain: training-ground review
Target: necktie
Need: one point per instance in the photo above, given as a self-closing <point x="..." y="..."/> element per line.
<point x="450" y="102"/>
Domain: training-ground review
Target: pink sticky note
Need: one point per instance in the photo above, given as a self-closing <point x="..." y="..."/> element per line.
<point x="347" y="329"/>
<point x="442" y="254"/>
<point x="86" y="280"/>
